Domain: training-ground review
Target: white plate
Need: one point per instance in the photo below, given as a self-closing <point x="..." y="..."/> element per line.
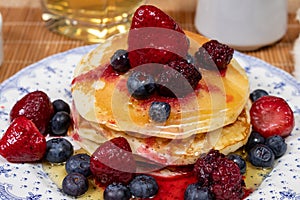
<point x="54" y="74"/>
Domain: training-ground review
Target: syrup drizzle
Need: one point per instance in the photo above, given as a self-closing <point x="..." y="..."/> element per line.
<point x="170" y="188"/>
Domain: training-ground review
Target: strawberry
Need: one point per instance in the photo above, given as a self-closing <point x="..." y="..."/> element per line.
<point x="154" y="37"/>
<point x="113" y="162"/>
<point x="22" y="142"/>
<point x="37" y="107"/>
<point x="271" y="115"/>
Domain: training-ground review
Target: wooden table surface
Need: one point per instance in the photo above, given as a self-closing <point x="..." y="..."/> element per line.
<point x="27" y="40"/>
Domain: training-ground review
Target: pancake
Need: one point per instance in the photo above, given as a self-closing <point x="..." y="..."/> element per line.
<point x="214" y="116"/>
<point x="163" y="150"/>
<point x="101" y="97"/>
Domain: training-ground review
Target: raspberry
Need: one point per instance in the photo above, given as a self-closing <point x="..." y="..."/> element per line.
<point x="178" y="78"/>
<point x="213" y="54"/>
<point x="221" y="175"/>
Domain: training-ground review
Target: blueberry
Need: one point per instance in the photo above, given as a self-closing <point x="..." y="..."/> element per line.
<point x="79" y="163"/>
<point x="60" y="123"/>
<point x="140" y="85"/>
<point x="277" y="144"/>
<point x="190" y="59"/>
<point x="143" y="186"/>
<point x="116" y="191"/>
<point x="75" y="184"/>
<point x="261" y="156"/>
<point x="159" y="111"/>
<point x="61" y="105"/>
<point x="239" y="160"/>
<point x="256" y="94"/>
<point x="195" y="191"/>
<point x="58" y="150"/>
<point x="254" y="138"/>
<point x="120" y="61"/>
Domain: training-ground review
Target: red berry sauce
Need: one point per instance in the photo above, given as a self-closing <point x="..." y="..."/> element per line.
<point x="173" y="188"/>
<point x="105" y="72"/>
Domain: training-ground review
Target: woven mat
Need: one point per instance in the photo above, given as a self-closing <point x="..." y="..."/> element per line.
<point x="26" y="40"/>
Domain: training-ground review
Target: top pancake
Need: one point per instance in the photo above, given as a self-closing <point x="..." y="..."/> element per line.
<point x="101" y="96"/>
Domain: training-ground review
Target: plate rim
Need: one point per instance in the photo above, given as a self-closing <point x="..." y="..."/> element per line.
<point x="86" y="48"/>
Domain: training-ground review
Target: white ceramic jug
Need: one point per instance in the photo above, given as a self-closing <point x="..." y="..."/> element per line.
<point x="242" y="24"/>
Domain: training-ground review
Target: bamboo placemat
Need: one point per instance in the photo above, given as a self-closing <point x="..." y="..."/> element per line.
<point x="26" y="40"/>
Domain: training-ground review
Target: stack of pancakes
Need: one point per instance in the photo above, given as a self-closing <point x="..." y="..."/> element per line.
<point x="214" y="116"/>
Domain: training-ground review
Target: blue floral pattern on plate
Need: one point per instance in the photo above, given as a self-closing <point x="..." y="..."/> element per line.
<point x="54" y="74"/>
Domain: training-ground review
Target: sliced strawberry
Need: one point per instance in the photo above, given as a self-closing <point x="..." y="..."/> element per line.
<point x="113" y="162"/>
<point x="22" y="142"/>
<point x="272" y="115"/>
<point x="154" y="37"/>
<point x="37" y="107"/>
